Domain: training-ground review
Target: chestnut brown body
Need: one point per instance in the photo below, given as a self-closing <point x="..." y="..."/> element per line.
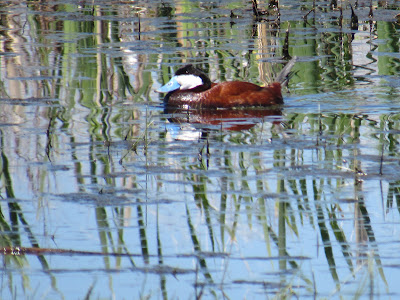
<point x="226" y="95"/>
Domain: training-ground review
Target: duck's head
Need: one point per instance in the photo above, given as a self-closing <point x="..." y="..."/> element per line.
<point x="186" y="78"/>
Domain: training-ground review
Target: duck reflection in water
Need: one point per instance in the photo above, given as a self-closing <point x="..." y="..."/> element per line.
<point x="226" y="119"/>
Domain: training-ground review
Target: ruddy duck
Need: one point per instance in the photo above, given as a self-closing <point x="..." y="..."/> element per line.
<point x="191" y="87"/>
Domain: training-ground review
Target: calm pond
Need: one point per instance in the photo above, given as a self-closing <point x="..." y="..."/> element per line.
<point x="106" y="194"/>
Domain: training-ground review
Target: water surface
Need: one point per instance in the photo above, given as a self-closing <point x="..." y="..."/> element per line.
<point x="106" y="194"/>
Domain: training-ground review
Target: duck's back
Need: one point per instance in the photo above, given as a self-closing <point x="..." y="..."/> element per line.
<point x="229" y="94"/>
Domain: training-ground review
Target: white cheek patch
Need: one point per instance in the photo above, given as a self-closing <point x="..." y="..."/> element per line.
<point x="188" y="81"/>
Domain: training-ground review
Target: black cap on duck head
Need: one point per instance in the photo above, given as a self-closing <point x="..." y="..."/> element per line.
<point x="192" y="70"/>
<point x="187" y="78"/>
<point x="189" y="69"/>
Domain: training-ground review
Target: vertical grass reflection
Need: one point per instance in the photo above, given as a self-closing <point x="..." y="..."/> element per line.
<point x="201" y="261"/>
<point x="307" y="180"/>
<point x="12" y="228"/>
<point x="337" y="148"/>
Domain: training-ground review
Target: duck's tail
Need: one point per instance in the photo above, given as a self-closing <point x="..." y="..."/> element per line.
<point x="284" y="75"/>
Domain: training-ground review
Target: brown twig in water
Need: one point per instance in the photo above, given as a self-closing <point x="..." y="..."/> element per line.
<point x="138" y="14"/>
<point x="208" y="154"/>
<point x="41" y="251"/>
<point x="381" y="165"/>
<point x="371" y="11"/>
<point x="354" y="19"/>
<point x="285" y="49"/>
<point x="255" y="8"/>
<point x="306" y="15"/>
<point x="257" y="12"/>
<point x="48" y="134"/>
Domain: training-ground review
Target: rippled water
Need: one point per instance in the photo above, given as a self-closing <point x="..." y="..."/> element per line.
<point x="107" y="194"/>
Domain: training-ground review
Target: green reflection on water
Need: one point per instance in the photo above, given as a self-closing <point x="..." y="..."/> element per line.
<point x="298" y="182"/>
